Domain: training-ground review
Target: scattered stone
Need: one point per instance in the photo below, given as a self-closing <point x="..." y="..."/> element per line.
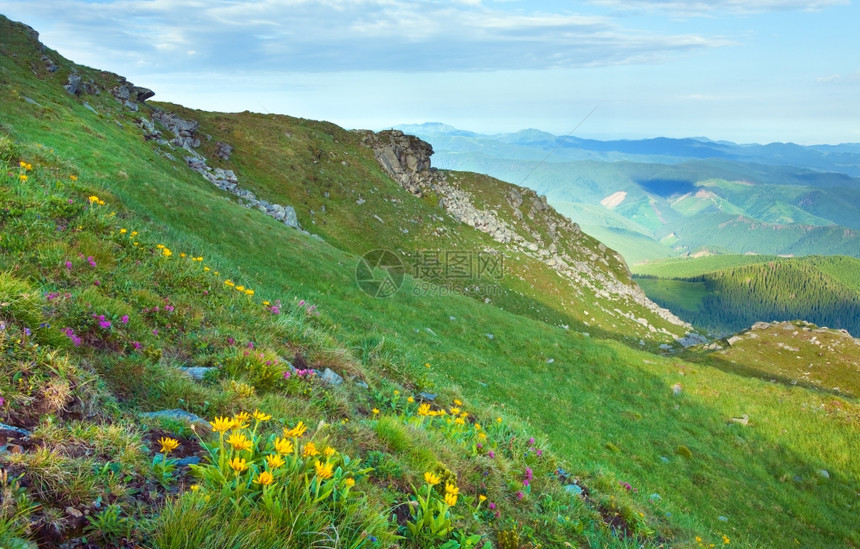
<point x="362" y="384"/>
<point x="31" y="101"/>
<point x="676" y="389"/>
<point x="74" y="513"/>
<point x="550" y="360"/>
<point x="223" y="150"/>
<point x="722" y="519"/>
<point x="692" y="339"/>
<point x="186" y="461"/>
<point x="665" y="346"/>
<point x="798" y="478"/>
<point x="197" y="372"/>
<point x="664" y="459"/>
<point x="329" y="377"/>
<point x="743" y="420"/>
<point x="17" y="430"/>
<point x="179" y="415"/>
<point x="429" y="397"/>
<point x="823" y="473"/>
<point x="89" y="107"/>
<point x="574" y="489"/>
<point x="654" y="498"/>
<point x="490" y="337"/>
<point x="74" y="84"/>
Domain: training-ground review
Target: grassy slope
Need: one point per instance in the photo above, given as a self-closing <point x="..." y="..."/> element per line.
<point x="602" y="387"/>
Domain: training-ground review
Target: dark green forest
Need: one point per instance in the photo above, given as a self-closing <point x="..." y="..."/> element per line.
<point x="821" y="290"/>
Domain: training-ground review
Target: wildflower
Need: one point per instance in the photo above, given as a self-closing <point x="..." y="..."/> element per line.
<point x="324" y="471"/>
<point x="491" y="454"/>
<point x="726" y="539"/>
<point x="238" y="465"/>
<point x="455" y="410"/>
<point x="241" y="419"/>
<point x="265" y="478"/>
<point x="396" y="392"/>
<point x="229" y="283"/>
<point x="135" y="344"/>
<point x="410" y="400"/>
<point x="260" y="416"/>
<point x="296" y="431"/>
<point x="329" y="451"/>
<point x="460" y="421"/>
<point x="498" y="420"/>
<point x="423" y="409"/>
<point x="457" y="402"/>
<point x="168" y="444"/>
<point x="532" y="441"/>
<point x="221" y="424"/>
<point x="240" y="288"/>
<point x="194" y="487"/>
<point x="309" y="450"/>
<point x="25" y="165"/>
<point x="274" y="461"/>
<point x="491" y="506"/>
<point x="350" y="482"/>
<point x="91" y="260"/>
<point x="166" y="252"/>
<point x="123" y="231"/>
<point x="450" y="499"/>
<point x="124" y="319"/>
<point x="451" y="488"/>
<point x="93" y="199"/>
<point x="205" y="268"/>
<point x="69" y="265"/>
<point x="159" y="246"/>
<point x="283" y="446"/>
<point x="482" y="498"/>
<point x="426" y="364"/>
<point x="266" y="303"/>
<point x="23" y="177"/>
<point x="431" y="479"/>
<point x="73" y="177"/>
<point x="239" y="441"/>
<point x="182" y="254"/>
<point x="133" y="233"/>
<point x="375" y="411"/>
<point x="483" y="436"/>
<point x="520" y="495"/>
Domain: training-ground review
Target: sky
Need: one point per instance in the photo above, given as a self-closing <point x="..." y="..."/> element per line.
<point x="738" y="70"/>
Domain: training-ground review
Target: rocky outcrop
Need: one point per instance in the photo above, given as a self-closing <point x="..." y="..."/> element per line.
<point x="536" y="229"/>
<point x="185" y="137"/>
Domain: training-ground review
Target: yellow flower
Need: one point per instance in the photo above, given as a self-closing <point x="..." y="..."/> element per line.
<point x="266" y="303"/>
<point x="229" y="283"/>
<point x="221" y="424"/>
<point x="239" y="442"/>
<point x="451" y="488"/>
<point x="166" y="252"/>
<point x="426" y="364"/>
<point x="22" y="177"/>
<point x="249" y="292"/>
<point x="159" y="246"/>
<point x="238" y="465"/>
<point x="396" y="392"/>
<point x="460" y="421"/>
<point x="457" y="402"/>
<point x="260" y="416"/>
<point x="25" y="165"/>
<point x="698" y="539"/>
<point x="73" y="177"/>
<point x="205" y="268"/>
<point x="123" y="231"/>
<point x="168" y="444"/>
<point x="498" y="420"/>
<point x="410" y="400"/>
<point x="482" y="436"/>
<point x="198" y="258"/>
<point x="464" y="414"/>
<point x="133" y="233"/>
<point x="431" y="479"/>
<point x="329" y="451"/>
<point x="450" y="499"/>
<point x="423" y="409"/>
<point x="182" y="254"/>
<point x="283" y="446"/>
<point x="455" y="410"/>
<point x="240" y="288"/>
<point x="309" y="450"/>
<point x="194" y="487"/>
<point x="241" y="419"/>
<point x="477" y="426"/>
<point x="482" y="498"/>
<point x="725" y="539"/>
<point x="324" y="471"/>
<point x="274" y="461"/>
<point x="350" y="482"/>
<point x="375" y="411"/>
<point x="265" y="478"/>
<point x="296" y="431"/>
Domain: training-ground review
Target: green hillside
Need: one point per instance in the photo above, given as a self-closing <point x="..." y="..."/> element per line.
<point x="725" y="294"/>
<point x="545" y="422"/>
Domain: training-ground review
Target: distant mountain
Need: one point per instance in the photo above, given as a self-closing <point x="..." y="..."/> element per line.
<point x="663" y="197"/>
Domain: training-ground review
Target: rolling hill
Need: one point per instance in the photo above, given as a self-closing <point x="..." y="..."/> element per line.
<point x="199" y="351"/>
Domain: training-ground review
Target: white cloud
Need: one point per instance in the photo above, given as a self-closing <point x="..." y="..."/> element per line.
<point x="716" y="7"/>
<point x="339" y="35"/>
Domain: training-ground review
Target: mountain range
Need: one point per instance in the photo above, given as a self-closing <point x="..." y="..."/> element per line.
<point x="663" y="197"/>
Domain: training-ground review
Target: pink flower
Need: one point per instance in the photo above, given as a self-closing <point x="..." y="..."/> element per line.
<point x="491" y="454"/>
<point x="91" y="260"/>
<point x="491" y="506"/>
<point x="69" y="265"/>
<point x="124" y="319"/>
<point x="155" y="331"/>
<point x="532" y="441"/>
<point x="539" y="452"/>
<point x="287" y="375"/>
<point x="135" y="344"/>
<point x="526" y="482"/>
<point x="520" y="495"/>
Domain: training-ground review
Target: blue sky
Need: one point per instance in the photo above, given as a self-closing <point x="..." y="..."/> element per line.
<point x="741" y="70"/>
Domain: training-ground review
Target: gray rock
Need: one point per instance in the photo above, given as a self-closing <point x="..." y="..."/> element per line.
<point x="197" y="372"/>
<point x="186" y="461"/>
<point x="89" y="107"/>
<point x="223" y="150"/>
<point x="74" y="84"/>
<point x="31" y="101"/>
<point x="12" y="428"/>
<point x="142" y="94"/>
<point x="362" y="384"/>
<point x="179" y="415"/>
<point x="823" y="473"/>
<point x="329" y="377"/>
<point x="429" y="397"/>
<point x="290" y="217"/>
<point x="573" y="489"/>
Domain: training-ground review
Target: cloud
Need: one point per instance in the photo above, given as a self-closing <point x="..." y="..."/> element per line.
<point x="345" y="35"/>
<point x="717" y="7"/>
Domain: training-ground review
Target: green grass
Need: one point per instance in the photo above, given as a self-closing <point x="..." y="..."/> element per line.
<point x="603" y="411"/>
<point x="682" y="294"/>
